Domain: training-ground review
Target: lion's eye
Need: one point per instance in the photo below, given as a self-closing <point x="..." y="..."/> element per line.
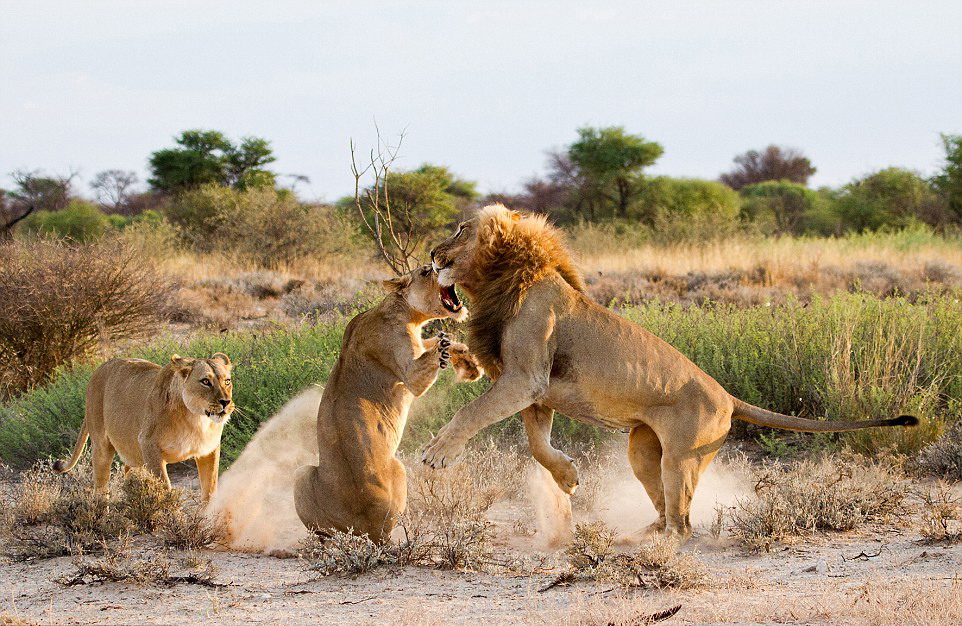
<point x="227" y="382"/>
<point x="205" y="382"/>
<point x="460" y="230"/>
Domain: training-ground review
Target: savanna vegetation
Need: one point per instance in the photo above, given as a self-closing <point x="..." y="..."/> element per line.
<point x="827" y="303"/>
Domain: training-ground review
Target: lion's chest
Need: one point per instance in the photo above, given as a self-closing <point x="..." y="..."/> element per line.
<point x="200" y="440"/>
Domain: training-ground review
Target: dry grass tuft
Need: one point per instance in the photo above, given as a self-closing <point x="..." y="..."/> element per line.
<point x="807" y="496"/>
<point x="14" y="620"/>
<point x="943" y="457"/>
<point x="941" y="513"/>
<point x="655" y="565"/>
<point x="190" y="528"/>
<point x="347" y="554"/>
<point x="146" y="500"/>
<point x="117" y="564"/>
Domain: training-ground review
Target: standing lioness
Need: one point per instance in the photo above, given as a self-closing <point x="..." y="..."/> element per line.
<point x="384" y="364"/>
<point x="153" y="415"/>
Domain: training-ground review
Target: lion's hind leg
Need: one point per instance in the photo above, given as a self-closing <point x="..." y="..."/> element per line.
<point x="644" y="455"/>
<point x="101" y="457"/>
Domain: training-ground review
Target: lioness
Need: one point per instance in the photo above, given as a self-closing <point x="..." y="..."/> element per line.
<point x="549" y="347"/>
<point x="153" y="415"/>
<point x="384" y="364"/>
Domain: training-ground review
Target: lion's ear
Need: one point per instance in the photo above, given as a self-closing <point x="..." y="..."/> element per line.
<point x="223" y="358"/>
<point x="396" y="284"/>
<point x="182" y="364"/>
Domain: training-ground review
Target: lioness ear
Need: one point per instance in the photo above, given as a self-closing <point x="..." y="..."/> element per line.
<point x="396" y="284"/>
<point x="181" y="364"/>
<point x="223" y="358"/>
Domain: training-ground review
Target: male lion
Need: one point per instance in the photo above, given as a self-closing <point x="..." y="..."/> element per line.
<point x="549" y="347"/>
<point x="384" y="364"/>
<point x="153" y="415"/>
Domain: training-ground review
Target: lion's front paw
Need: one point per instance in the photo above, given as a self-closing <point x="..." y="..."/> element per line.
<point x="442" y="451"/>
<point x="466" y="367"/>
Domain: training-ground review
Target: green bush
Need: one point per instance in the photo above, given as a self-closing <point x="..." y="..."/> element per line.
<point x="890" y="198"/>
<point x="779" y="206"/>
<point x="262" y="225"/>
<point x="80" y="222"/>
<point x="688" y="197"/>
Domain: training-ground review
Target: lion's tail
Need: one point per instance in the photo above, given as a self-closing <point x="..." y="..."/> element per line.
<point x="755" y="415"/>
<point x="62" y="467"/>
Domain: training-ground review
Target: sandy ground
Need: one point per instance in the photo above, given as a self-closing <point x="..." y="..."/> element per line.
<point x="879" y="575"/>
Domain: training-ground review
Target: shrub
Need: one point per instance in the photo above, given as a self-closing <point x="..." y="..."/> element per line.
<point x="944" y="456"/>
<point x="808" y="496"/>
<point x="687" y="197"/>
<point x="893" y="198"/>
<point x="260" y="225"/>
<point x="655" y="565"/>
<point x="941" y="513"/>
<point x="80" y="222"/>
<point x="59" y="302"/>
<point x="782" y="206"/>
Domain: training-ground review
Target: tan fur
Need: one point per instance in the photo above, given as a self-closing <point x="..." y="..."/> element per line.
<point x="359" y="485"/>
<point x="551" y="348"/>
<point x="152" y="415"/>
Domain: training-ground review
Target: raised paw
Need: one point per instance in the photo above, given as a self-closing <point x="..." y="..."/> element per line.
<point x="443" y="353"/>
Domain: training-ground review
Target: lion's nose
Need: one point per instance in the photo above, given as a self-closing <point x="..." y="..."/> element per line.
<point x="224" y="403"/>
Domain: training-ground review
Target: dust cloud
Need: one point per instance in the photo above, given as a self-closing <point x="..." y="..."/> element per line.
<point x="552" y="507"/>
<point x="256" y="495"/>
<point x="618" y="499"/>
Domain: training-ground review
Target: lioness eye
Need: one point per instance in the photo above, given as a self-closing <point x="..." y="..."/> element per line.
<point x="460" y="230"/>
<point x="205" y="382"/>
<point x="227" y="382"/>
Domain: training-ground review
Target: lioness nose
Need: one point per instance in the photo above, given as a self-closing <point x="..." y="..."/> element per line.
<point x="224" y="403"/>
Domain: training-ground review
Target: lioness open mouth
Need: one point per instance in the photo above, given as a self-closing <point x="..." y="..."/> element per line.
<point x="449" y="299"/>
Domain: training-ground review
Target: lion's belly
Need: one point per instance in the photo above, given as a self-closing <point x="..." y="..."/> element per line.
<point x="575" y="402"/>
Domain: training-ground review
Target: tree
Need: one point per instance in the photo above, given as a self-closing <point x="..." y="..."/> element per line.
<point x="949" y="181"/>
<point x="33" y="192"/>
<point x="609" y="159"/>
<point x="207" y="156"/>
<point x="114" y="188"/>
<point x="775" y="163"/>
<point x="786" y="203"/>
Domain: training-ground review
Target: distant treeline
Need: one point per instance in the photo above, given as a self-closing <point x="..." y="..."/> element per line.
<point x="208" y="191"/>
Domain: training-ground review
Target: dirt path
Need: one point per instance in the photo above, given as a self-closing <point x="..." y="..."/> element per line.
<point x="879" y="576"/>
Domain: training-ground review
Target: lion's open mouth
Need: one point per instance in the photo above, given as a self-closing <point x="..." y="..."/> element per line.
<point x="449" y="299"/>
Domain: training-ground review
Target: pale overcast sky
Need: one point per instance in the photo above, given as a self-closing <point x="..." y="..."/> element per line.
<point x="483" y="87"/>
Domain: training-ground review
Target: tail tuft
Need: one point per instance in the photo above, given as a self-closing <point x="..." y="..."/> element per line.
<point x="60" y="467"/>
<point x="905" y="420"/>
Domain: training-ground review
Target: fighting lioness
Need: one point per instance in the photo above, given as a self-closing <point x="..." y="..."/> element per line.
<point x="153" y="415"/>
<point x="550" y="347"/>
<point x="384" y="364"/>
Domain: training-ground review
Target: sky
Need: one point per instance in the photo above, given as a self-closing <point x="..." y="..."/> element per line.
<point x="484" y="87"/>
